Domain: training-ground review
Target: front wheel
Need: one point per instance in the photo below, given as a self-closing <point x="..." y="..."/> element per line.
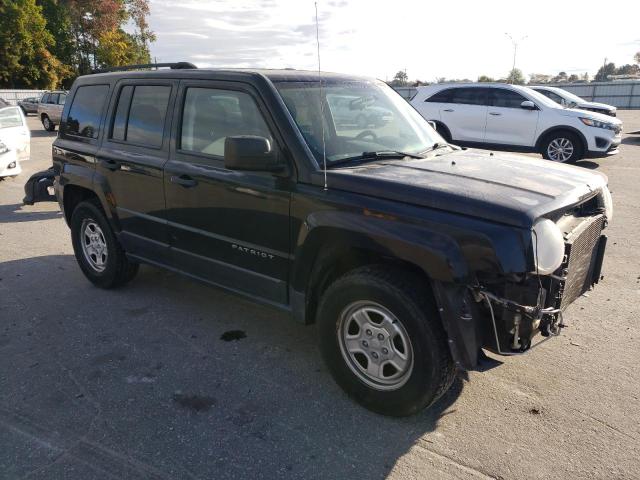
<point x="97" y="250"/>
<point x="381" y="337"/>
<point x="564" y="147"/>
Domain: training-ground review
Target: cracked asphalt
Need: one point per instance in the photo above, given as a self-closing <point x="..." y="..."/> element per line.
<point x="168" y="378"/>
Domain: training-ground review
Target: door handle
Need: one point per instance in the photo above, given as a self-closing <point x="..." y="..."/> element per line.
<point x="184" y="180"/>
<point x="448" y="110"/>
<point x="110" y="164"/>
<point x="495" y="114"/>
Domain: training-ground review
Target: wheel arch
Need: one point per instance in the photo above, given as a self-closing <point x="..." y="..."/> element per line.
<point x="561" y="128"/>
<point x="73" y="195"/>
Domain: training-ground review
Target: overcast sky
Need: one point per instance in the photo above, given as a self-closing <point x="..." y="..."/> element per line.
<point x="453" y="39"/>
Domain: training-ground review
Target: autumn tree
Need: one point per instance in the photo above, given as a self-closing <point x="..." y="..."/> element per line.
<point x="26" y="60"/>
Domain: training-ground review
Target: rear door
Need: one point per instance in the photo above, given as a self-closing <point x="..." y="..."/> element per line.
<point x="56" y="110"/>
<point x="465" y="114"/>
<point x="134" y="149"/>
<point x="507" y="122"/>
<point x="228" y="227"/>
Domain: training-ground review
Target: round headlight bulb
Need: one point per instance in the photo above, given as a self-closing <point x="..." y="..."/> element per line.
<point x="548" y="246"/>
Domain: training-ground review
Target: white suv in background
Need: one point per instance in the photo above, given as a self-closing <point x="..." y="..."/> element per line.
<point x="512" y="117"/>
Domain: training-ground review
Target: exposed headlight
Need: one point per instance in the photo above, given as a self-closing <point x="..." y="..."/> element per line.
<point x="607" y="202"/>
<point x="3" y="148"/>
<point x="548" y="246"/>
<point x="598" y="124"/>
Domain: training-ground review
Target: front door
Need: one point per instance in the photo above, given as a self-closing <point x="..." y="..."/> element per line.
<point x="130" y="162"/>
<point x="227" y="227"/>
<point x="507" y="122"/>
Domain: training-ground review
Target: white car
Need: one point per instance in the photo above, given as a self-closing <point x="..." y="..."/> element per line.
<point x="568" y="99"/>
<point x="15" y="141"/>
<point x="512" y="117"/>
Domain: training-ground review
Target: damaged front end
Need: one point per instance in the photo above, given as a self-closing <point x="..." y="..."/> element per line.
<point x="503" y="313"/>
<point x="40" y="187"/>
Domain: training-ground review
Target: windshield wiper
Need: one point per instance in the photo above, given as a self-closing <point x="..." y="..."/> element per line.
<point x="372" y="156"/>
<point x="438" y="146"/>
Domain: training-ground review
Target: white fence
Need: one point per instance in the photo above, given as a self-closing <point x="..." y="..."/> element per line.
<point x="621" y="94"/>
<point x="13" y="96"/>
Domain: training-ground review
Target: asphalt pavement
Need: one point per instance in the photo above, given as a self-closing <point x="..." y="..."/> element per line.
<point x="170" y="379"/>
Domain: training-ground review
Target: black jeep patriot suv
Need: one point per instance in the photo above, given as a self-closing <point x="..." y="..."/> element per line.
<point x="411" y="255"/>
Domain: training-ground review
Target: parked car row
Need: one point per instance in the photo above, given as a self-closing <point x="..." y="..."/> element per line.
<point x="513" y="117"/>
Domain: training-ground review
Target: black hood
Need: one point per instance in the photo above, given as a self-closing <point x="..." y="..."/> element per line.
<point x="507" y="188"/>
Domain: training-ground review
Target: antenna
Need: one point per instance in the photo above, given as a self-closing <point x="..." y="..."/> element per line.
<point x="324" y="150"/>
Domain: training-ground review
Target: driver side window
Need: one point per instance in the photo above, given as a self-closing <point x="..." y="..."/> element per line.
<point x="210" y="115"/>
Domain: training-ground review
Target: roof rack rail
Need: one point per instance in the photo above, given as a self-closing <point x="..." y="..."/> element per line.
<point x="172" y="66"/>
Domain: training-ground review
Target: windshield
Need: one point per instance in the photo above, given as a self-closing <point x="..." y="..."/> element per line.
<point x="568" y="95"/>
<point x="10" y="117"/>
<point x="359" y="117"/>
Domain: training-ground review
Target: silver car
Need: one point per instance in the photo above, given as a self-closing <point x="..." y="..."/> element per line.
<point x="50" y="108"/>
<point x="29" y="105"/>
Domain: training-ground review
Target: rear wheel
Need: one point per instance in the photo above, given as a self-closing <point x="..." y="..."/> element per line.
<point x="48" y="125"/>
<point x="564" y="147"/>
<point x="97" y="250"/>
<point x="381" y="337"/>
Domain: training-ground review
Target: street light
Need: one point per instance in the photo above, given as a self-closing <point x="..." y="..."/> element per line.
<point x="515" y="48"/>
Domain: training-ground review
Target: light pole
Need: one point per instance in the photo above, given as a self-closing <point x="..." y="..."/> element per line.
<point x="515" y="48"/>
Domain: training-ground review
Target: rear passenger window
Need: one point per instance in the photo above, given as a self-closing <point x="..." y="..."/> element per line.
<point x="210" y="116"/>
<point x="469" y="96"/>
<point x="140" y="114"/>
<point x="501" y="97"/>
<point x="441" y="97"/>
<point x="86" y="110"/>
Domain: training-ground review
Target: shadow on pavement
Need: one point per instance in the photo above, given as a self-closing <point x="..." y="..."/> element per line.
<point x="631" y="140"/>
<point x="588" y="164"/>
<point x="143" y="376"/>
<point x="18" y="213"/>
<point x="43" y="133"/>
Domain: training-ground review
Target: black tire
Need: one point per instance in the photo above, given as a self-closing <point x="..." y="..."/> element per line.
<point x="444" y="132"/>
<point x="561" y="137"/>
<point x="402" y="294"/>
<point x="118" y="269"/>
<point x="48" y="125"/>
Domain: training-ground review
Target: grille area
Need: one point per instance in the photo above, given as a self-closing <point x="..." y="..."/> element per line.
<point x="581" y="258"/>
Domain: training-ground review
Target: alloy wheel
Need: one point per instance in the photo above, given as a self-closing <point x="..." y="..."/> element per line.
<point x="94" y="245"/>
<point x="560" y="149"/>
<point x="375" y="345"/>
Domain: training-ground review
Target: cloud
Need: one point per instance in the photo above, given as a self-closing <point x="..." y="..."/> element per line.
<point x="456" y="39"/>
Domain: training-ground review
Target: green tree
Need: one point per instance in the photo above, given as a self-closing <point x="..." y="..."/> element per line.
<point x="25" y="57"/>
<point x="637" y="57"/>
<point x="515" y="77"/>
<point x="400" y="79"/>
<point x="604" y="71"/>
<point x="484" y="78"/>
<point x="573" y="78"/>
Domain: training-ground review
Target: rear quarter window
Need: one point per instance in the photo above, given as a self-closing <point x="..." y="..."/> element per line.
<point x="86" y="111"/>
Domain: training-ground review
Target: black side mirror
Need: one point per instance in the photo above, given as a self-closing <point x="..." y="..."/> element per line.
<point x="528" y="105"/>
<point x="249" y="152"/>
